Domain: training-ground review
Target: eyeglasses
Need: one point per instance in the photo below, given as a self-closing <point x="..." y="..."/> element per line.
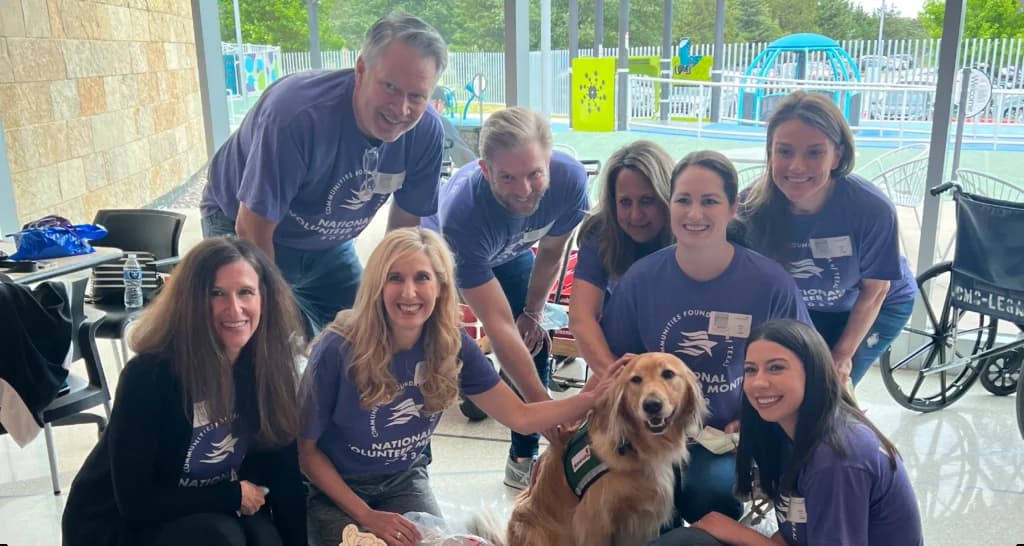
<point x="371" y="159"/>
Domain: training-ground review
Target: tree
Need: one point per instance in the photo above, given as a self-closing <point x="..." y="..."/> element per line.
<point x="283" y="23"/>
<point x="755" y="22"/>
<point x="835" y="19"/>
<point x="984" y="18"/>
<point x="795" y="15"/>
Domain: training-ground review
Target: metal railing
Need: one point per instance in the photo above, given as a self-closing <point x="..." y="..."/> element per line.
<point x="880" y="112"/>
<point x="1001" y="58"/>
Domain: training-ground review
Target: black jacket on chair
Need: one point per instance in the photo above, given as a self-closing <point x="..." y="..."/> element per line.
<point x="35" y="335"/>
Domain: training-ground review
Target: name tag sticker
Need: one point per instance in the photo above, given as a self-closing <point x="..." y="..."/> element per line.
<point x="797" y="510"/>
<point x="199" y="415"/>
<point x="420" y="375"/>
<point x="729" y="324"/>
<point x="831" y="247"/>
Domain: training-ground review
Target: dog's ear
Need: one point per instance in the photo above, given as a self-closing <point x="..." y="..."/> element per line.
<point x="606" y="412"/>
<point x="696" y="404"/>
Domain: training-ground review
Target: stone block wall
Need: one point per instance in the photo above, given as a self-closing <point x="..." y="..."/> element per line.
<point x="100" y="103"/>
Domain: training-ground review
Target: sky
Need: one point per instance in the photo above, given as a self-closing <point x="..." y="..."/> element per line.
<point x="908" y="8"/>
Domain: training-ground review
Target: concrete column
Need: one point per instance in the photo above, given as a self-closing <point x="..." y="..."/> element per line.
<point x="210" y="62"/>
<point x="952" y="30"/>
<point x="315" y="59"/>
<point x="574" y="43"/>
<point x="545" y="58"/>
<point x="517" y="53"/>
<point x="8" y="212"/>
<point x="666" y="58"/>
<point x="716" y="63"/>
<point x="622" y="70"/>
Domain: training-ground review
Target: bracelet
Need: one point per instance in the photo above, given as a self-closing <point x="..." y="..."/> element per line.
<point x="534" y="316"/>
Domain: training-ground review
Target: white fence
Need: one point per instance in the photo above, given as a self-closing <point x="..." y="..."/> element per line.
<point x="1002" y="59"/>
<point x="879" y="111"/>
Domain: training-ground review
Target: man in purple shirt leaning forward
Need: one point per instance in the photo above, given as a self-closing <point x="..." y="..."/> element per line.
<point x="322" y="151"/>
<point x="491" y="213"/>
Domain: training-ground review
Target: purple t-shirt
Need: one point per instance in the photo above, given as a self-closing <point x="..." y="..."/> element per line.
<point x="853" y="237"/>
<point x="387" y="438"/>
<point x="483" y="234"/>
<point x="215" y="451"/>
<point x="298" y="159"/>
<point x="590" y="268"/>
<point x="657" y="307"/>
<point x="858" y="500"/>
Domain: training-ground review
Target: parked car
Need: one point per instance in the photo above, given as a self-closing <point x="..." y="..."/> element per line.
<point x="1013" y="109"/>
<point x="902" y="61"/>
<point x="908" y="105"/>
<point x="867" y="62"/>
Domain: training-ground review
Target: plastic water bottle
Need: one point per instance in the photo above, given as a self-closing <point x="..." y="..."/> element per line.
<point x="132" y="283"/>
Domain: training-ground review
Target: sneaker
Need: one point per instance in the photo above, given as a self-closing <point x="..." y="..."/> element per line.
<point x="517" y="474"/>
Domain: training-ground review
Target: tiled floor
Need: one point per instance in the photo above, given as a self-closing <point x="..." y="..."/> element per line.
<point x="965" y="462"/>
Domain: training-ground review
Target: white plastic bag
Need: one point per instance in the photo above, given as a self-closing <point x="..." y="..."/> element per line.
<point x="436" y="532"/>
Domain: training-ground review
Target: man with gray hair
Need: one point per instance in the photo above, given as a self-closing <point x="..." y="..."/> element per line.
<point x="491" y="213"/>
<point x="321" y="152"/>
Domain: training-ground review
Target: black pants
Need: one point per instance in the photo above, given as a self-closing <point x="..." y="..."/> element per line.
<point x="216" y="529"/>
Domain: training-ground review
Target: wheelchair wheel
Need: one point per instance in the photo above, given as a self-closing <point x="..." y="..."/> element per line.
<point x="950" y="334"/>
<point x="1001" y="373"/>
<point x="1020" y="407"/>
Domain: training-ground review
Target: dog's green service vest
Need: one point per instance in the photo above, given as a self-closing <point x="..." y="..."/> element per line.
<point x="582" y="466"/>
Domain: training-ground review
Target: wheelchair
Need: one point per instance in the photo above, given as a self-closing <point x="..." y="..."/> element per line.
<point x="965" y="300"/>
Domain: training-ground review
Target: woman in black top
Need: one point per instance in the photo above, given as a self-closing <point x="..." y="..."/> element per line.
<point x="201" y="443"/>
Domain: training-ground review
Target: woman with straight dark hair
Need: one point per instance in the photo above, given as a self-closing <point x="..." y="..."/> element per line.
<point x="200" y="448"/>
<point x="630" y="222"/>
<point x="698" y="299"/>
<point x="833" y="476"/>
<point x="834" y="232"/>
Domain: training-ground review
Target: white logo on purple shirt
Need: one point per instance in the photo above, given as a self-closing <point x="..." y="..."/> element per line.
<point x="696" y="343"/>
<point x="373" y="183"/>
<point x="526" y="240"/>
<point x="221" y="450"/>
<point x="403" y="412"/>
<point x="805" y="269"/>
<point x="362" y="194"/>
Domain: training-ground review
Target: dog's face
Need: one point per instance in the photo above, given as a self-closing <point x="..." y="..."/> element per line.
<point x="656" y="391"/>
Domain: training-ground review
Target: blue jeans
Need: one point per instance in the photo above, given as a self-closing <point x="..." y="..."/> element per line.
<point x="708" y="483"/>
<point x="323" y="281"/>
<point x="400" y="493"/>
<point x="514" y="278"/>
<point x="886" y="328"/>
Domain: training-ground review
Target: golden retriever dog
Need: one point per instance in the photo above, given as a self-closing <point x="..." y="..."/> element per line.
<point x="638" y="429"/>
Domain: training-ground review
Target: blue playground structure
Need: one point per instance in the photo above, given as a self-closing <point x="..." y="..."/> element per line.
<point x="804" y="56"/>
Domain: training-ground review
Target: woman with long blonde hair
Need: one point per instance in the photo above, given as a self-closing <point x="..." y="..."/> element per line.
<point x="377" y="381"/>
